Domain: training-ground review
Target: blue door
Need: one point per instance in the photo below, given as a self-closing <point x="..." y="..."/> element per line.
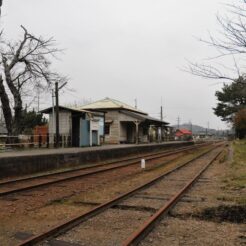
<point x="84" y="133"/>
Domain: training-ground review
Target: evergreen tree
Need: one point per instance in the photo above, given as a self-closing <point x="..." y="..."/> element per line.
<point x="231" y="99"/>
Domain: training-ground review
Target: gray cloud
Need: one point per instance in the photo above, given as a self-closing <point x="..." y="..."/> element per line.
<point x="128" y="49"/>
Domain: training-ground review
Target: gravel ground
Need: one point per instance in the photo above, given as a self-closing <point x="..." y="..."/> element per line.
<point x="174" y="231"/>
<point x="35" y="211"/>
<point x="115" y="225"/>
<point x="185" y="226"/>
<point x="107" y="229"/>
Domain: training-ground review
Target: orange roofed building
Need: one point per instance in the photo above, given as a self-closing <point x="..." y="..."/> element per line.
<point x="183" y="134"/>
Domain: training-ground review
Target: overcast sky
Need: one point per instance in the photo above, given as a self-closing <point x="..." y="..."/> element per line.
<point x="128" y="49"/>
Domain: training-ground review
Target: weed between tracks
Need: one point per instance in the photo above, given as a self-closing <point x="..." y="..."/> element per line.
<point x="234" y="214"/>
<point x="53" y="211"/>
<point x="108" y="191"/>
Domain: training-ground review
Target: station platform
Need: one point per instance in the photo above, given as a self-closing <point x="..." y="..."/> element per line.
<point x="17" y="163"/>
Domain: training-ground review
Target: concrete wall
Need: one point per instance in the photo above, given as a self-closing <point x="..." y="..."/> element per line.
<point x="14" y="166"/>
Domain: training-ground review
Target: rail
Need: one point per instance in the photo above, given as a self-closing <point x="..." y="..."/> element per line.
<point x="121" y="163"/>
<point x="75" y="221"/>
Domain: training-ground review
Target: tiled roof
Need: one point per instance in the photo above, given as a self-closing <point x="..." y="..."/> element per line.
<point x="109" y="103"/>
<point x="183" y="131"/>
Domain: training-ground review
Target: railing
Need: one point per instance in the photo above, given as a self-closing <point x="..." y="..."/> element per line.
<point x="8" y="143"/>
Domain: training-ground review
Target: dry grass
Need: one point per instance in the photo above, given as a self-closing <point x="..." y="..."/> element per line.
<point x="235" y="179"/>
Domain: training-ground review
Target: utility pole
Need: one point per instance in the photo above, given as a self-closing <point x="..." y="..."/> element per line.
<point x="207" y="129"/>
<point x="38" y="98"/>
<point x="190" y="126"/>
<point x="136" y="103"/>
<point x="161" y="113"/>
<point x="161" y="128"/>
<point x="178" y="121"/>
<point x="57" y="112"/>
<point x="53" y="113"/>
<point x="57" y="115"/>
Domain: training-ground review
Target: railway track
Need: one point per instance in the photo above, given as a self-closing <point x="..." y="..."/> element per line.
<point x="133" y="213"/>
<point x="29" y="183"/>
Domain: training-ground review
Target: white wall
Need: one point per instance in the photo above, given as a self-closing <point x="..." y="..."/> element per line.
<point x="65" y="123"/>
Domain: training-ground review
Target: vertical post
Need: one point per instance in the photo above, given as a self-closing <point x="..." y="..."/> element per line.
<point x="148" y="134"/>
<point x="143" y="163"/>
<point x="53" y="117"/>
<point x="48" y="140"/>
<point x="38" y="97"/>
<point x="90" y="131"/>
<point x="137" y="131"/>
<point x="178" y="119"/>
<point x="104" y="122"/>
<point x="161" y="114"/>
<point x="161" y="131"/>
<point x="57" y="115"/>
<point x="39" y="140"/>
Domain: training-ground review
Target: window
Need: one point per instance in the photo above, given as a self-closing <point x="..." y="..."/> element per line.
<point x="107" y="129"/>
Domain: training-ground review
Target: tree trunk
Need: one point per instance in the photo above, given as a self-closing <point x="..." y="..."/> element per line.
<point x="17" y="99"/>
<point x="18" y="114"/>
<point x="6" y="108"/>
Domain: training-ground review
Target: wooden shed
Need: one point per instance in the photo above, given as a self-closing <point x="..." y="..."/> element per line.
<point x="77" y="127"/>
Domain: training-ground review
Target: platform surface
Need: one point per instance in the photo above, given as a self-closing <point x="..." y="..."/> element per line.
<point x="43" y="151"/>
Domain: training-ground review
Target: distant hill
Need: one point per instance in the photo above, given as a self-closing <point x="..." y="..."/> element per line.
<point x="199" y="129"/>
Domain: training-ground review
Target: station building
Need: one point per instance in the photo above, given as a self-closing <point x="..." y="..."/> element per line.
<point x="126" y="124"/>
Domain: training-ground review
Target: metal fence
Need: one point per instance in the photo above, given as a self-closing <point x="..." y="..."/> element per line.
<point x="32" y="141"/>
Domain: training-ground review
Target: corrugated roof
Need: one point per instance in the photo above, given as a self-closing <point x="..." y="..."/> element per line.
<point x="145" y="117"/>
<point x="48" y="110"/>
<point x="109" y="103"/>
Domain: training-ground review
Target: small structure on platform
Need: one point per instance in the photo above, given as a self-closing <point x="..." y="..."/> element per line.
<point x="183" y="135"/>
<point x="126" y="124"/>
<point x="3" y="129"/>
<point x="77" y="127"/>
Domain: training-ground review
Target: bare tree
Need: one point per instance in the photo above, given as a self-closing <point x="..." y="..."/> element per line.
<point x="7" y="113"/>
<point x="231" y="42"/>
<point x="25" y="63"/>
<point x="1" y="2"/>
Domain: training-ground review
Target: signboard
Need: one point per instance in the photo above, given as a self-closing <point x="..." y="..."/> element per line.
<point x="94" y="125"/>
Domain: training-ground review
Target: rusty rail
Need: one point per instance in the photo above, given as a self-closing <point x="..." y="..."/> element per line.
<point x="133" y="161"/>
<point x="144" y="230"/>
<point x="69" y="224"/>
